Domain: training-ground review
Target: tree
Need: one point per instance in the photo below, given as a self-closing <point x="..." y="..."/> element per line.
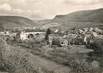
<point x="47" y="34"/>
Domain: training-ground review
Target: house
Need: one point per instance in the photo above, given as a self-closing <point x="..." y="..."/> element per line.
<point x="64" y="42"/>
<point x="91" y="29"/>
<point x="54" y="39"/>
<point x="5" y="33"/>
<point x="95" y="34"/>
<point x="81" y="31"/>
<point x="23" y="36"/>
<point x="28" y="35"/>
<point x="100" y="31"/>
<point x="86" y="29"/>
<point x="2" y="33"/>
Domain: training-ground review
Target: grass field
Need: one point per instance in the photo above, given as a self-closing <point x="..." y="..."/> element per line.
<point x="74" y="58"/>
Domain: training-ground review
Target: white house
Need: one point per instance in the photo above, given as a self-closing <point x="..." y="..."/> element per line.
<point x="23" y="36"/>
<point x="98" y="30"/>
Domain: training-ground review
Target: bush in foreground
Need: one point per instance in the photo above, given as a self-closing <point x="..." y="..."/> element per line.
<point x="15" y="60"/>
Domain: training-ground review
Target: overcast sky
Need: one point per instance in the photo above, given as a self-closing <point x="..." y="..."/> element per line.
<point x="46" y="8"/>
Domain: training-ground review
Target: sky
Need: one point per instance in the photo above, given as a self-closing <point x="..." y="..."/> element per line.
<point x="46" y="9"/>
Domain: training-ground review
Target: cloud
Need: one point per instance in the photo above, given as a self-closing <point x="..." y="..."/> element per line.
<point x="83" y="1"/>
<point x="75" y="5"/>
<point x="47" y="8"/>
<point x="5" y="6"/>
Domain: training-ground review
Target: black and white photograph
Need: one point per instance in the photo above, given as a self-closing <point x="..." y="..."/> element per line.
<point x="51" y="36"/>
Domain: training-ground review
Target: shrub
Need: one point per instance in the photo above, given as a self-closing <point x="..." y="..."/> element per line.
<point x="16" y="60"/>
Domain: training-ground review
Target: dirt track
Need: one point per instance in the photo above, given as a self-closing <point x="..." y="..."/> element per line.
<point x="49" y="65"/>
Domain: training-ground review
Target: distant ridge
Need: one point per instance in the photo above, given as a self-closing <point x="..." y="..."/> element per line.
<point x="80" y="19"/>
<point x="10" y="22"/>
<point x="83" y="16"/>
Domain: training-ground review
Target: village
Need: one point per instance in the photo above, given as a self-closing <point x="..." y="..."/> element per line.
<point x="56" y="37"/>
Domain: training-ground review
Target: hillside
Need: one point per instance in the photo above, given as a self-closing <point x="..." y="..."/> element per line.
<point x="9" y="22"/>
<point x="82" y="16"/>
<point x="80" y="19"/>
